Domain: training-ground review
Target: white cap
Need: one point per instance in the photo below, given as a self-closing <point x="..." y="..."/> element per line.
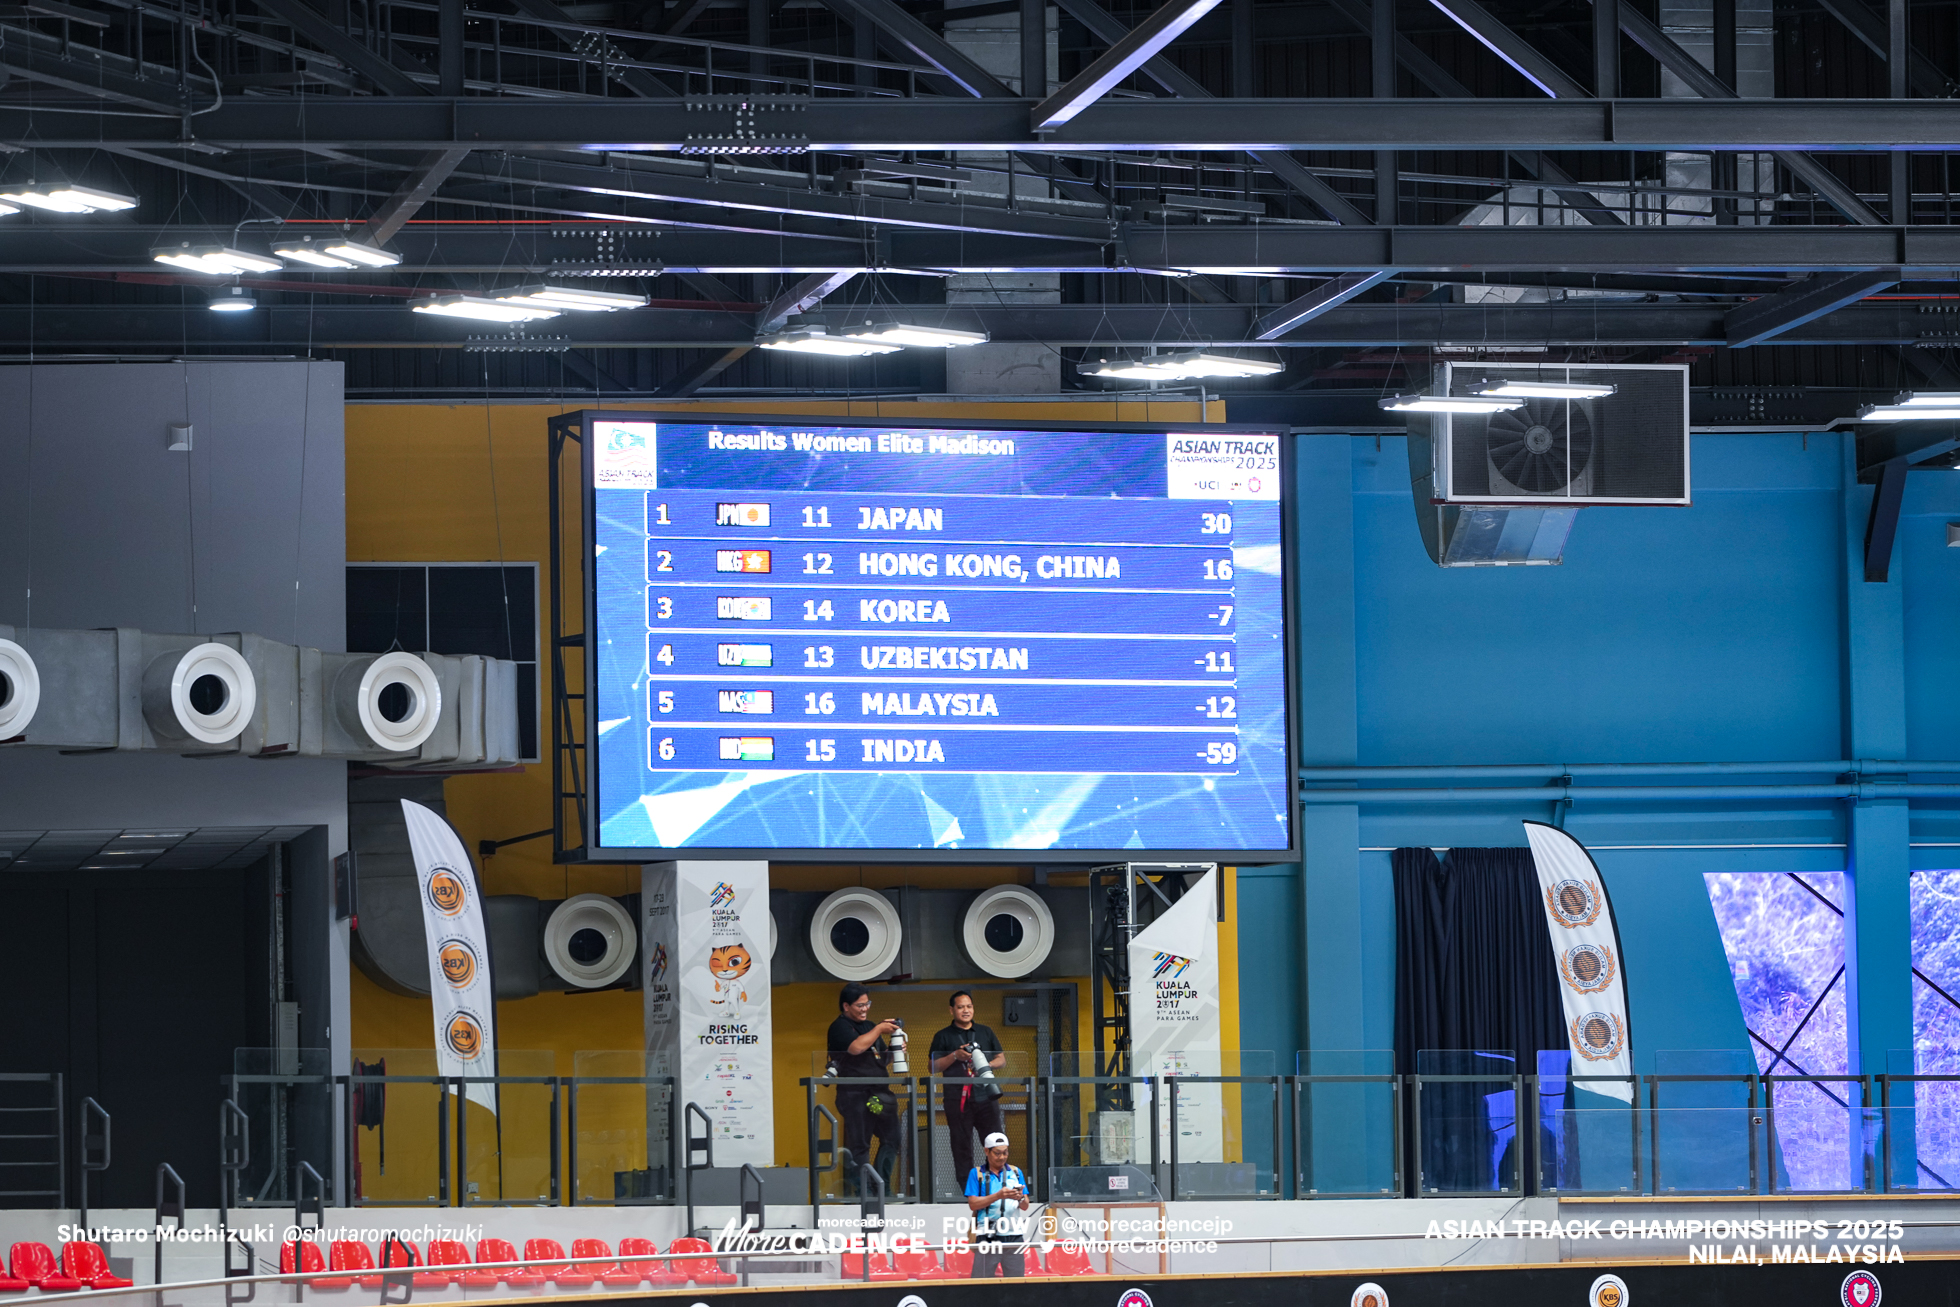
<point x="996" y="1140"/>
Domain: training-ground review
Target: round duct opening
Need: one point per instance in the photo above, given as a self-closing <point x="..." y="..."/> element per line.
<point x="855" y="934"/>
<point x="589" y="939"/>
<point x="20" y="689"/>
<point x="207" y="694"/>
<point x="399" y="701"/>
<point x="1008" y="931"/>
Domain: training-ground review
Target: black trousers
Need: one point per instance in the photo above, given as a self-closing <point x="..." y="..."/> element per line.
<point x="1010" y="1257"/>
<point x="861" y="1123"/>
<point x="963" y="1122"/>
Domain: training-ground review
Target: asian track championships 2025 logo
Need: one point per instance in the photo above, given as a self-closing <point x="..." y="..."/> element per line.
<point x="1574" y="902"/>
<point x="1588" y="968"/>
<point x="1860" y="1289"/>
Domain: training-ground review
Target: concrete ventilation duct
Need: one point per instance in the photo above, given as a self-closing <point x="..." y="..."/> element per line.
<point x="1008" y="932"/>
<point x="590" y="941"/>
<point x="20" y="690"/>
<point x="196" y="693"/>
<point x="855" y="934"/>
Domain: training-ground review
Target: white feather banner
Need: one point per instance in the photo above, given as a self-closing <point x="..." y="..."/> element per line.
<point x="1586" y="947"/>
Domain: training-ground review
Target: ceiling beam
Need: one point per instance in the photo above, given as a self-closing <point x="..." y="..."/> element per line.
<point x="1113" y="66"/>
<point x="1513" y="49"/>
<point x="924" y="44"/>
<point x="1868" y="27"/>
<point x="1649" y="37"/>
<point x="854" y="125"/>
<point x="1330" y="294"/>
<point x="1109" y="29"/>
<point x="596" y="46"/>
<point x="415" y="191"/>
<point x="1820" y="293"/>
<point x="329" y="36"/>
<point x="800" y="298"/>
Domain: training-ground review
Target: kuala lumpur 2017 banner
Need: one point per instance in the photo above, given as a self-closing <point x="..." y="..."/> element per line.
<point x="705" y="941"/>
<point x="1174" y="1021"/>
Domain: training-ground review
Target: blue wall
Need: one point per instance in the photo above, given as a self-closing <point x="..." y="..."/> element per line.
<point x="1739" y="629"/>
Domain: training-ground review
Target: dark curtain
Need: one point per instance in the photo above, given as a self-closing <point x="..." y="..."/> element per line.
<point x="1476" y="993"/>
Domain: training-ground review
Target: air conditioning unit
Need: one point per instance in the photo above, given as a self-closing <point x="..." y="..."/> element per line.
<point x="1626" y="447"/>
<point x="1503" y="489"/>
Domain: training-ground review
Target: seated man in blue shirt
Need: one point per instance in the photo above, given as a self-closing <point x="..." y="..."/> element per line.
<point x="996" y="1193"/>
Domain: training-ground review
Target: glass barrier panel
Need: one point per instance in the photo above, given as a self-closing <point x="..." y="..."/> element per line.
<point x="1346" y="1128"/>
<point x="289" y="1103"/>
<point x="1816" y="1133"/>
<point x="964" y="1109"/>
<point x="623" y="1131"/>
<point x="880" y="1123"/>
<point x="1099" y="1133"/>
<point x="1719" y="1148"/>
<point x="1467" y="1139"/>
<point x="396" y="1158"/>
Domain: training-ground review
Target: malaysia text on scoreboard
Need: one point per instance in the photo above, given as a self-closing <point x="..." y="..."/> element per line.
<point x="879" y="639"/>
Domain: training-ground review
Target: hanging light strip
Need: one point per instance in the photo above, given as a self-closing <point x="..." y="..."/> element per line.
<point x="1541" y="390"/>
<point x="1914" y="412"/>
<point x="574" y="298"/>
<point x="479" y="309"/>
<point x="217" y="260"/>
<point x="368" y="256"/>
<point x="305" y="251"/>
<point x="816" y="341"/>
<point x="1448" y="404"/>
<point x="1189" y="365"/>
<point x="900" y="333"/>
<point x="60" y="197"/>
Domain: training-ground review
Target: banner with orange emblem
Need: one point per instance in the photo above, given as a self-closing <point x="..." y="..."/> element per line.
<point x="1586" y="945"/>
<point x="459" y="953"/>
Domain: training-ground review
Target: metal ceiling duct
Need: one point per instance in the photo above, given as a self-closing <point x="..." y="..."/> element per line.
<point x="855" y="934"/>
<point x="125" y="689"/>
<point x="20" y="689"/>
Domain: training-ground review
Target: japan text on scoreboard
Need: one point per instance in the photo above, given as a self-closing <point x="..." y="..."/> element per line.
<point x="814" y="637"/>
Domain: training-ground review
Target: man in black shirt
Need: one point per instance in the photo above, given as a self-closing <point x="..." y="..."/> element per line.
<point x="858" y="1050"/>
<point x="962" y="1050"/>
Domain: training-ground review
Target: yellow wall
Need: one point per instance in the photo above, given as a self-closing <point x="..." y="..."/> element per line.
<point x="467" y="483"/>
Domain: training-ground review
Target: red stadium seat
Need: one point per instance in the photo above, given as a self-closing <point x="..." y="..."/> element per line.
<point x="850" y="1265"/>
<point x="347" y="1255"/>
<point x="1031" y="1259"/>
<point x="309" y="1258"/>
<point x="632" y="1273"/>
<point x="915" y="1260"/>
<point x="703" y="1271"/>
<point x="1070" y="1259"/>
<point x="33" y="1263"/>
<point x="501" y="1250"/>
<point x="560" y="1273"/>
<point x="12" y="1284"/>
<point x="85" y="1262"/>
<point x="595" y="1248"/>
<point x="443" y="1253"/>
<point x="959" y="1261"/>
<point x="394" y="1256"/>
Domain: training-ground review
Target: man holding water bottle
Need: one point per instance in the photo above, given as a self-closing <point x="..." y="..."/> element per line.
<point x="997" y="1194"/>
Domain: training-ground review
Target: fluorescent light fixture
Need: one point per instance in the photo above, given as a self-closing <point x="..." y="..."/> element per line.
<point x="815" y="341"/>
<point x="369" y="256"/>
<point x="899" y="333"/>
<point x="1188" y="365"/>
<point x="1448" y="404"/>
<point x="479" y="309"/>
<point x="1907" y="412"/>
<point x="304" y="250"/>
<point x="1929" y="399"/>
<point x="1542" y="390"/>
<point x="218" y="260"/>
<point x="574" y="298"/>
<point x="233" y="299"/>
<point x="60" y="197"/>
<point x="6" y="209"/>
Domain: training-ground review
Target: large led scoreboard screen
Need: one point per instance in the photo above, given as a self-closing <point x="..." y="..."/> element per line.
<point x="880" y="640"/>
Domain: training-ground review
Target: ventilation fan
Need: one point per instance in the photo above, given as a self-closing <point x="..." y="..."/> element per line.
<point x="1544" y="447"/>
